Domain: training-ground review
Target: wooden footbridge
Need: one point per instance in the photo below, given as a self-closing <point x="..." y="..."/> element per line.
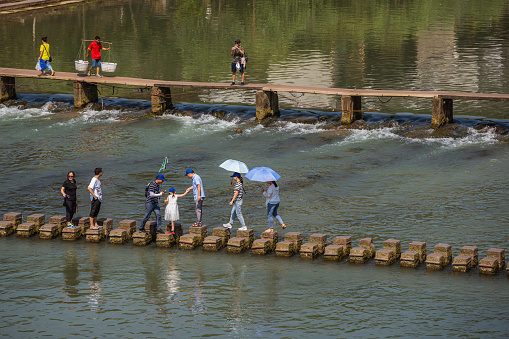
<point x="267" y="103"/>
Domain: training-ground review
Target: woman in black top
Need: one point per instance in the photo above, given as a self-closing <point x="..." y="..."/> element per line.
<point x="68" y="191"/>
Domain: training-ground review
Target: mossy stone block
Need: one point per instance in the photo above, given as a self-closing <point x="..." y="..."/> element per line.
<point x="410" y="259"/>
<point x="385" y="257"/>
<point x="435" y="261"/>
<point x="212" y="243"/>
<point x="334" y="252"/>
<point x="262" y="246"/>
<point x="26" y="230"/>
<point x="286" y="248"/>
<point x="308" y="250"/>
<point x="119" y="236"/>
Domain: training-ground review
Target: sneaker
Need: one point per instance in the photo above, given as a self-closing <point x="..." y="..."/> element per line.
<point x="71" y="225"/>
<point x="228" y="225"/>
<point x="98" y="76"/>
<point x="242" y="83"/>
<point x="94" y="228"/>
<point x="243" y="228"/>
<point x="232" y="84"/>
<point x="88" y="73"/>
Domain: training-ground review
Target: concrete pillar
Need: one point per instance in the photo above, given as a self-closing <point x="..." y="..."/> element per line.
<point x="441" y="112"/>
<point x="7" y="89"/>
<point x="84" y="93"/>
<point x="351" y="109"/>
<point x="267" y="104"/>
<point x="161" y="99"/>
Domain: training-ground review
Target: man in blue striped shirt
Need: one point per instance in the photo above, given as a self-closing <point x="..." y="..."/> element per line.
<point x="152" y="203"/>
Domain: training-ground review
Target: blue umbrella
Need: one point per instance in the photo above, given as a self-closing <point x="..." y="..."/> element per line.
<point x="262" y="174"/>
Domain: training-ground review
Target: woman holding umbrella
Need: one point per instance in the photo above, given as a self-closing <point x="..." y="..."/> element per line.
<point x="272" y="202"/>
<point x="269" y="176"/>
<point x="236" y="202"/>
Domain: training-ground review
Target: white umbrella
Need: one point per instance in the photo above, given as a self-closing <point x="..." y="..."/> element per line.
<point x="234" y="166"/>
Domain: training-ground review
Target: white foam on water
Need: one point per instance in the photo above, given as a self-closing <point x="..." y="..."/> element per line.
<point x="486" y="136"/>
<point x="90" y="116"/>
<point x="204" y="122"/>
<point x="356" y="136"/>
<point x="21" y="113"/>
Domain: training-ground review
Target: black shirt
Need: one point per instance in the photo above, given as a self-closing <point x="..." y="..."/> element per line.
<point x="70" y="189"/>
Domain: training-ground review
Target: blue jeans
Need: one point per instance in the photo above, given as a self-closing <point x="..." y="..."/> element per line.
<point x="149" y="208"/>
<point x="272" y="212"/>
<point x="237" y="211"/>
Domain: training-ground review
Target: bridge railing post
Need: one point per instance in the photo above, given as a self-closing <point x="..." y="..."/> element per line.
<point x="441" y="112"/>
<point x="161" y="99"/>
<point x="84" y="93"/>
<point x="267" y="104"/>
<point x="351" y="109"/>
<point x="7" y="88"/>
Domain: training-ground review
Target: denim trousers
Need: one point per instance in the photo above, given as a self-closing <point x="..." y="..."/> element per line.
<point x="237" y="212"/>
<point x="149" y="208"/>
<point x="272" y="212"/>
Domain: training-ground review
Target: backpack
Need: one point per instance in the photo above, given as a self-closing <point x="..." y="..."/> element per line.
<point x="146" y="190"/>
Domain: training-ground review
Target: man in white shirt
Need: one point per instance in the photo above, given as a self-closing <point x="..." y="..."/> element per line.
<point x="96" y="197"/>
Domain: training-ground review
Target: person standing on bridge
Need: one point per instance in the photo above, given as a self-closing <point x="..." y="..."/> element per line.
<point x="45" y="56"/>
<point x="239" y="61"/>
<point x="95" y="48"/>
<point x="96" y="197"/>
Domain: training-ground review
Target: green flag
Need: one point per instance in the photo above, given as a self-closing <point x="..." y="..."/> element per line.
<point x="163" y="165"/>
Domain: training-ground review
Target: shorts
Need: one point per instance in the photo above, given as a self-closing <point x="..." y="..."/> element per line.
<point x="95" y="207"/>
<point x="96" y="63"/>
<point x="48" y="65"/>
<point x="234" y="67"/>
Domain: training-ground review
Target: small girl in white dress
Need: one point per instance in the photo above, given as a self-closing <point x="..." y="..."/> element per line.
<point x="171" y="212"/>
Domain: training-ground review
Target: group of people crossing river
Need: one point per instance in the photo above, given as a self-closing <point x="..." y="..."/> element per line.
<point x="153" y="193"/>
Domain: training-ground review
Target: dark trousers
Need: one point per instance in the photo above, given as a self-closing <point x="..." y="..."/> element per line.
<point x="70" y="209"/>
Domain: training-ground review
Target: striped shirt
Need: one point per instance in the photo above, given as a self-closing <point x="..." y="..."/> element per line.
<point x="239" y="186"/>
<point x="153" y="187"/>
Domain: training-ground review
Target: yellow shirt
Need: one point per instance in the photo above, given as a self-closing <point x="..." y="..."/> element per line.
<point x="45" y="51"/>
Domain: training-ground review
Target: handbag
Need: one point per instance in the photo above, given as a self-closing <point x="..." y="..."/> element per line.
<point x="42" y="65"/>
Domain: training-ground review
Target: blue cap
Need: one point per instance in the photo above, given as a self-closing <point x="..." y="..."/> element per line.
<point x="235" y="175"/>
<point x="172" y="189"/>
<point x="189" y="170"/>
<point x="160" y="177"/>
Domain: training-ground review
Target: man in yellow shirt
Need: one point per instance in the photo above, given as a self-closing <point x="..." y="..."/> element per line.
<point x="45" y="56"/>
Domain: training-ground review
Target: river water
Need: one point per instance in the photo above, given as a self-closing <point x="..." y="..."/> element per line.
<point x="389" y="177"/>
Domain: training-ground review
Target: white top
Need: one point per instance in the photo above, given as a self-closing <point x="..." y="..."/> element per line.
<point x="95" y="185"/>
<point x="271" y="195"/>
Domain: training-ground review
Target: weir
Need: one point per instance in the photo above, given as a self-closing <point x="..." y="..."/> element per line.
<point x="267" y="101"/>
<point x="245" y="239"/>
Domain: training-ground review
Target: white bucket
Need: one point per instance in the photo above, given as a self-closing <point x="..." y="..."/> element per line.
<point x="81" y="65"/>
<point x="108" y="66"/>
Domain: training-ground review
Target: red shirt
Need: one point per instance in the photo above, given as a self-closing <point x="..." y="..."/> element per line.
<point x="96" y="50"/>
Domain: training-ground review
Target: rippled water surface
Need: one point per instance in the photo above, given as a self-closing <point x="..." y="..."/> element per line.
<point x="389" y="177"/>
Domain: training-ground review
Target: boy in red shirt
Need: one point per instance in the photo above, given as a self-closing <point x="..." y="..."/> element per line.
<point x="95" y="47"/>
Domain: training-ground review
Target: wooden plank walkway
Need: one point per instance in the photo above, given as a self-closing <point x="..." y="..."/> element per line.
<point x="267" y="102"/>
<point x="139" y="82"/>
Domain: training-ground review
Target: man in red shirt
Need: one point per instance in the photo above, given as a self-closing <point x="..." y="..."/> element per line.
<point x="95" y="47"/>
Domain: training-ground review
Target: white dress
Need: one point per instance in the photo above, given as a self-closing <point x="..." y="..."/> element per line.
<point x="172" y="209"/>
